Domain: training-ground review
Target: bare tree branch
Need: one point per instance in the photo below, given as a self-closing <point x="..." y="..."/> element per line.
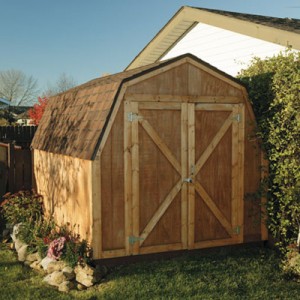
<point x="17" y="87"/>
<point x="63" y="83"/>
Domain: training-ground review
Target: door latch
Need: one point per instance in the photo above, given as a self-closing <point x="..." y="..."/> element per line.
<point x="188" y="180"/>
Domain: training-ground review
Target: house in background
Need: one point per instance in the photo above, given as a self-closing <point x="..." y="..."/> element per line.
<point x="226" y="40"/>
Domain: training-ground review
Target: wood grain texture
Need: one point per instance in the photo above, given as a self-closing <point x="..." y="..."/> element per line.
<point x="65" y="185"/>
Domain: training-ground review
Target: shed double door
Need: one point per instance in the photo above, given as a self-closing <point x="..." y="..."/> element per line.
<point x="184" y="176"/>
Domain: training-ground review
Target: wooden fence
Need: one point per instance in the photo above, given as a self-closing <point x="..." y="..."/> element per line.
<point x="20" y="135"/>
<point x="15" y="169"/>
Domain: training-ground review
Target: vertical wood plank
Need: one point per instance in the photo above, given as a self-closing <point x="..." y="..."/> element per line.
<point x="3" y="169"/>
<point x="235" y="168"/>
<point x="184" y="174"/>
<point x="127" y="177"/>
<point x="191" y="166"/>
<point x="241" y="162"/>
<point x="96" y="208"/>
<point x="11" y="167"/>
<point x="135" y="177"/>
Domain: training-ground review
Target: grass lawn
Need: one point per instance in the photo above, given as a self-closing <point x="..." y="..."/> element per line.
<point x="243" y="273"/>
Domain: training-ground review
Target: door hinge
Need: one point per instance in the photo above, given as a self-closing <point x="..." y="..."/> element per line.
<point x="237" y="118"/>
<point x="133" y="239"/>
<point x="236" y="230"/>
<point x="133" y="116"/>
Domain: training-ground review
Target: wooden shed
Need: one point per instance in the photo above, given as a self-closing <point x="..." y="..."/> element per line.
<point x="154" y="159"/>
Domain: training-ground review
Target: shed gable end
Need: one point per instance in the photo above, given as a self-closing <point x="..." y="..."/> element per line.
<point x="189" y="78"/>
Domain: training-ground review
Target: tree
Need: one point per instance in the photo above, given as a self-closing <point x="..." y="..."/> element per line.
<point x="17" y="87"/>
<point x="63" y="83"/>
<point x="273" y="86"/>
<point x="37" y="111"/>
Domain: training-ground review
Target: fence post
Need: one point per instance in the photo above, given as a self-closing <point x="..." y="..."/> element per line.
<point x="11" y="167"/>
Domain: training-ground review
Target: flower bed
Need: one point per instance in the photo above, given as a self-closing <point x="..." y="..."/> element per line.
<point x="44" y="246"/>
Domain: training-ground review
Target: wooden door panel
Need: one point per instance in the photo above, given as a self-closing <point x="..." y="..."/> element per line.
<point x="157" y="213"/>
<point x="185" y="176"/>
<point x="167" y="228"/>
<point x="214" y="219"/>
<point x="207" y="226"/>
<point x="216" y="177"/>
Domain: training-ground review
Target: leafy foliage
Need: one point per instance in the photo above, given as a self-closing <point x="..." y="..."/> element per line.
<point x="38" y="109"/>
<point x="37" y="234"/>
<point x="274" y="90"/>
<point x="22" y="206"/>
<point x="53" y="241"/>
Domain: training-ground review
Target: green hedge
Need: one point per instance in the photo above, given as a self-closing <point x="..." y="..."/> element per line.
<point x="274" y="90"/>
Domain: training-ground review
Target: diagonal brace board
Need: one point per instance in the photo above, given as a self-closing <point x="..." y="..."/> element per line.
<point x="213" y="144"/>
<point x="160" y="144"/>
<point x="212" y="206"/>
<point x="160" y="211"/>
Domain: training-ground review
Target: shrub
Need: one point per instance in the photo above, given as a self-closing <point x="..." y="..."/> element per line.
<point x="55" y="242"/>
<point x="273" y="86"/>
<point x="38" y="234"/>
<point x="22" y="207"/>
<point x="75" y="250"/>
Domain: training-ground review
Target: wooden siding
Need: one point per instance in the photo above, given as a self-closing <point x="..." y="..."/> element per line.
<point x="187" y="82"/>
<point x="65" y="183"/>
<point x="112" y="188"/>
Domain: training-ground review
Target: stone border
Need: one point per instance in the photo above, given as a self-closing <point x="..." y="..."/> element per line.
<point x="58" y="273"/>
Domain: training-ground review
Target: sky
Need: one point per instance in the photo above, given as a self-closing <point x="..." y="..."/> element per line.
<point x="88" y="38"/>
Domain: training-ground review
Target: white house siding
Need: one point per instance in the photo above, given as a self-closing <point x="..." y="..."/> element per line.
<point x="224" y="49"/>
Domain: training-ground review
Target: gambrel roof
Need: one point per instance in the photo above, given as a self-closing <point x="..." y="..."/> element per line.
<point x="74" y="122"/>
<point x="280" y="31"/>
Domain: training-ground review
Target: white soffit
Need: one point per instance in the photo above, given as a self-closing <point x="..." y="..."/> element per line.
<point x="165" y="41"/>
<point x="224" y="49"/>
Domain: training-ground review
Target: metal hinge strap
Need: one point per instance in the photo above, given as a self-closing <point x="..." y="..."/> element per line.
<point x="237" y="118"/>
<point x="133" y="239"/>
<point x="133" y="116"/>
<point x="237" y="230"/>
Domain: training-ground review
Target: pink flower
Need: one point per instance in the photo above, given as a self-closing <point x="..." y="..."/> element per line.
<point x="55" y="248"/>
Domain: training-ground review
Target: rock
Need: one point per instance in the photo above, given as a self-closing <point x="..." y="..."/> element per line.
<point x="33" y="257"/>
<point x="87" y="275"/>
<point x="56" y="265"/>
<point x="18" y="244"/>
<point x="55" y="278"/>
<point x="68" y="272"/>
<point x="27" y="263"/>
<point x="66" y="286"/>
<point x="88" y="270"/>
<point x="58" y="277"/>
<point x="81" y="287"/>
<point x="46" y="261"/>
<point x="15" y="231"/>
<point x="22" y="253"/>
<point x="36" y="266"/>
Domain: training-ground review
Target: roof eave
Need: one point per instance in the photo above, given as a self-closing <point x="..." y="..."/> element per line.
<point x="159" y="45"/>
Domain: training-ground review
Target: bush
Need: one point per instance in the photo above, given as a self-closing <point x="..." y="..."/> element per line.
<point x="37" y="235"/>
<point x="273" y="86"/>
<point x="48" y="239"/>
<point x="22" y="207"/>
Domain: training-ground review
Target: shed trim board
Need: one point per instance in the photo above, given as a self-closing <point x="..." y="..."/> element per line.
<point x="167" y="170"/>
